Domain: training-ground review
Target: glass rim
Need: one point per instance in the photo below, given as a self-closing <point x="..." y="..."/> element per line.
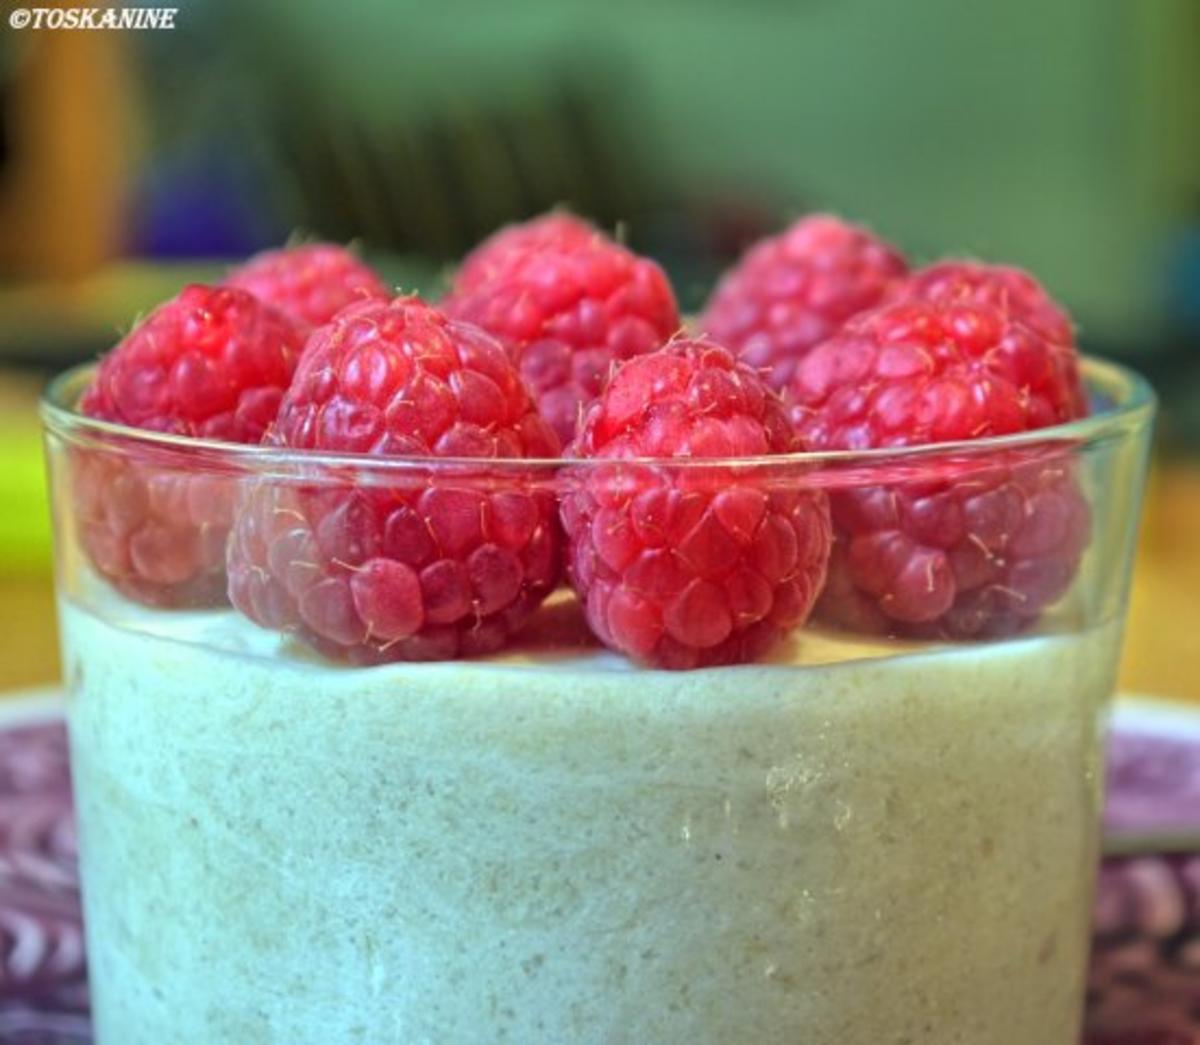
<point x="1129" y="403"/>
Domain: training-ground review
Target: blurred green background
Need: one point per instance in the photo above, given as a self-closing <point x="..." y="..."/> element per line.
<point x="1062" y="135"/>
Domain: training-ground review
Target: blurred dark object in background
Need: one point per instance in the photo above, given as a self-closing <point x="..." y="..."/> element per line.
<point x="1176" y="369"/>
<point x="438" y="183"/>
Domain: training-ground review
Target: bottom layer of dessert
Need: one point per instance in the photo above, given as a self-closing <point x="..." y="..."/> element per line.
<point x="838" y="848"/>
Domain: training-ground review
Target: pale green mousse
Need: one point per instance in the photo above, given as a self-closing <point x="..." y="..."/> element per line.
<point x="853" y="845"/>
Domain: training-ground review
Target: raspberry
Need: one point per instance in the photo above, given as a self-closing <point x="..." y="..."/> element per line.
<point x="1012" y="290"/>
<point x="429" y="565"/>
<point x="567" y="308"/>
<point x="684" y="567"/>
<point x="556" y="230"/>
<point x="971" y="545"/>
<point x="310" y="283"/>
<point x="794" y="290"/>
<point x="211" y="363"/>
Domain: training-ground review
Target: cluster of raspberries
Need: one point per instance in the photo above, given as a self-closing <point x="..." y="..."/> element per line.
<point x="573" y="415"/>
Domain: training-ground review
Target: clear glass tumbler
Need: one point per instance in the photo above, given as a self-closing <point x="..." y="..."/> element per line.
<point x="311" y="830"/>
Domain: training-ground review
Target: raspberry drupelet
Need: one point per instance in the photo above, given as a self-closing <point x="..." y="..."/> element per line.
<point x="420" y="563"/>
<point x="978" y="544"/>
<point x="212" y="363"/>
<point x="685" y="565"/>
<point x="567" y="307"/>
<point x="794" y="290"/>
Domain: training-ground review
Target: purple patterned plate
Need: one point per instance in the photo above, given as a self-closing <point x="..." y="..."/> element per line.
<point x="1143" y="987"/>
<point x="1144" y="982"/>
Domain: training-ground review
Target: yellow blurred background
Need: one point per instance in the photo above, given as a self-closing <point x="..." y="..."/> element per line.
<point x="1062" y="135"/>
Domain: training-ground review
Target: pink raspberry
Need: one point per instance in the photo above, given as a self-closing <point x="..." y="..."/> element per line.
<point x="429" y="565"/>
<point x="1011" y="290"/>
<point x="794" y="290"/>
<point x="310" y="283"/>
<point x="556" y="230"/>
<point x="684" y="567"/>
<point x="973" y="545"/>
<point x="566" y="308"/>
<point x="211" y="363"/>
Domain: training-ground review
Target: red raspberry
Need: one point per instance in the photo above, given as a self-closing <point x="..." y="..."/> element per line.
<point x="494" y="256"/>
<point x="686" y="567"/>
<point x="567" y="309"/>
<point x="975" y="544"/>
<point x="425" y="566"/>
<point x="1011" y="290"/>
<point x="794" y="290"/>
<point x="211" y="363"/>
<point x="311" y="283"/>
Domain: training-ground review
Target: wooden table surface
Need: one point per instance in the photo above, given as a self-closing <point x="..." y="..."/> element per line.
<point x="1162" y="647"/>
<point x="1162" y="639"/>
